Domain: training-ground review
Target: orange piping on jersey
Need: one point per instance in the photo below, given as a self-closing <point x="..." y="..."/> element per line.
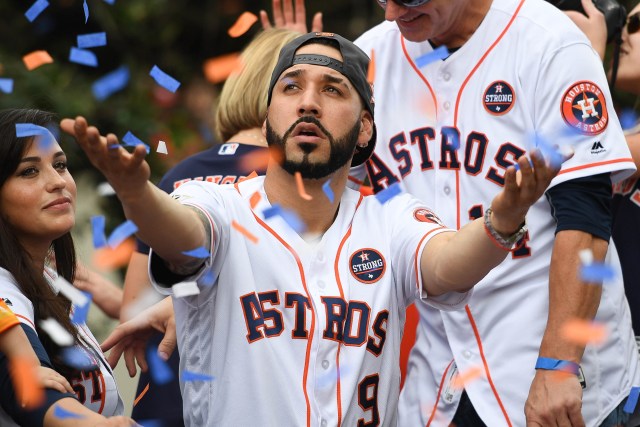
<point x="486" y="366"/>
<point x="313" y="316"/>
<point x="417" y="261"/>
<point x="593" y="165"/>
<point x="435" y="405"/>
<point x="27" y="320"/>
<point x="422" y="77"/>
<point x="103" y="393"/>
<point x="339" y="282"/>
<point x="356" y="180"/>
<point x="455" y="114"/>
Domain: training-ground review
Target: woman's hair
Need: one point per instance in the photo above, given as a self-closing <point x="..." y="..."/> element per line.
<point x="13" y="256"/>
<point x="243" y="100"/>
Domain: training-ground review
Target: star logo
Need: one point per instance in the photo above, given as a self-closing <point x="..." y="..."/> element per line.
<point x="499" y="88"/>
<point x="364" y="256"/>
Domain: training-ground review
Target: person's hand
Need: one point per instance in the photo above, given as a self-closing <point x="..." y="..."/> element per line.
<point x="555" y="399"/>
<point x="126" y="172"/>
<point x="285" y="17"/>
<point x="118" y="421"/>
<point x="49" y="378"/>
<point x="131" y="337"/>
<point x="522" y="189"/>
<point x="594" y="26"/>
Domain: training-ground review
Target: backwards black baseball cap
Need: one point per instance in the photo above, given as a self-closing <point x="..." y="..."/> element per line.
<point x="354" y="66"/>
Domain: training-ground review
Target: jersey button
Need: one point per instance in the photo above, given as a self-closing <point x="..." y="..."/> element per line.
<point x="325" y="364"/>
<point x="320" y="257"/>
<point x="466" y="354"/>
<point x="321" y="284"/>
<point x="447" y="105"/>
<point x="446" y="189"/>
<point x="323" y="423"/>
<point x="446" y="76"/>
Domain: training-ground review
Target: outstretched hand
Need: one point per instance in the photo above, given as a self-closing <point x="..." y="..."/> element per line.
<point x="285" y="17"/>
<point x="126" y="172"/>
<point x="593" y="25"/>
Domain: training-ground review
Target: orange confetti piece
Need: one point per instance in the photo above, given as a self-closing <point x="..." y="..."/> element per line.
<point x="301" y="191"/>
<point x="107" y="258"/>
<point x="371" y="70"/>
<point x="36" y="58"/>
<point x="26" y="383"/>
<point x="365" y="190"/>
<point x="251" y="175"/>
<point x="141" y="395"/>
<point x="244" y="231"/>
<point x="218" y="69"/>
<point x="242" y="25"/>
<point x="466" y="377"/>
<point x="584" y="332"/>
<point x="259" y="159"/>
<point x="255" y="199"/>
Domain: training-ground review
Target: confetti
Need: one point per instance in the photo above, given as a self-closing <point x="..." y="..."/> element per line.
<point x="80" y="312"/>
<point x="97" y="227"/>
<point x="121" y="233"/>
<point x="77" y="358"/>
<point x="584" y="332"/>
<point x="147" y="298"/>
<point x="60" y="412"/>
<point x="628" y="118"/>
<point x="242" y="24"/>
<point x="36" y="9"/>
<point x="6" y="85"/>
<point x="300" y="185"/>
<point x="199" y="252"/>
<point x="141" y="395"/>
<point x="586" y="256"/>
<point x="130" y="140"/>
<point x="57" y="333"/>
<point x="555" y="154"/>
<point x="185" y="289"/>
<point x="388" y="193"/>
<point x="162" y="148"/>
<point x="194" y="376"/>
<point x="86" y="11"/>
<point x="160" y="371"/>
<point x="105" y="189"/>
<point x="254" y="199"/>
<point x="151" y="423"/>
<point x="24" y="130"/>
<point x="89" y="40"/>
<point x="109" y="258"/>
<point x="436" y="54"/>
<point x="111" y="83"/>
<point x="326" y="187"/>
<point x="632" y="401"/>
<point x="288" y="216"/>
<point x="597" y="272"/>
<point x="218" y="69"/>
<point x="244" y="232"/>
<point x="371" y="69"/>
<point x="26" y="382"/>
<point x="110" y="1"/>
<point x="164" y="79"/>
<point x="464" y="378"/>
<point x="83" y="57"/>
<point x="209" y="278"/>
<point x="73" y="294"/>
<point x="36" y="58"/>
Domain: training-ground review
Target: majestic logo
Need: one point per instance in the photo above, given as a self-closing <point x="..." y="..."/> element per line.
<point x="367" y="265"/>
<point x="584" y="108"/>
<point x="499" y="98"/>
<point x="597" y="148"/>
<point x="228" y="149"/>
<point x="425" y="215"/>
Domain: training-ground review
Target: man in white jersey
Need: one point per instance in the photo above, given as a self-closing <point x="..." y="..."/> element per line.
<point x="517" y="74"/>
<point x="304" y="328"/>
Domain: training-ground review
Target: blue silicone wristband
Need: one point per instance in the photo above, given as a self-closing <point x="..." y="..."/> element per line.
<point x="550" y="364"/>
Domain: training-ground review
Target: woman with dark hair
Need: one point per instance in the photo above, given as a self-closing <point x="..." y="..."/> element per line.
<point x="37" y="212"/>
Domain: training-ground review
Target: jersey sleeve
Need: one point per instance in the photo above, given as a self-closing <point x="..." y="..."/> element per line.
<point x="413" y="225"/>
<point x="7" y="318"/>
<point x="16" y="300"/>
<point x="573" y="108"/>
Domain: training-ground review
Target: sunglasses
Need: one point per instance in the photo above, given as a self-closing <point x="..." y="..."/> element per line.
<point x="633" y="23"/>
<point x="405" y="3"/>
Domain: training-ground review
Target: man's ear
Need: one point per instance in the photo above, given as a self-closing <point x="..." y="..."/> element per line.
<point x="366" y="128"/>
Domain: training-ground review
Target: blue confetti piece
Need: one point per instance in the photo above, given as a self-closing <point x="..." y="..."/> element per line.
<point x="6" y="85"/>
<point x="209" y="278"/>
<point x="110" y="1"/>
<point x="130" y="140"/>
<point x="160" y="371"/>
<point x="326" y="187"/>
<point x="289" y="217"/>
<point x="60" y="412"/>
<point x="97" y="227"/>
<point x="632" y="401"/>
<point x="77" y="358"/>
<point x="596" y="272"/>
<point x="121" y="232"/>
<point x="86" y="41"/>
<point x="86" y="11"/>
<point x="24" y="130"/>
<point x="164" y="79"/>
<point x="150" y="423"/>
<point x="111" y="83"/>
<point x="388" y="193"/>
<point x="628" y="119"/>
<point x="36" y="9"/>
<point x="548" y="151"/>
<point x="200" y="252"/>
<point x="436" y="54"/>
<point x="83" y="57"/>
<point x="194" y="376"/>
<point x="80" y="312"/>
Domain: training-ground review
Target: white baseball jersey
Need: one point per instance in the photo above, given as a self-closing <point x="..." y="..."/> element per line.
<point x="95" y="388"/>
<point x="297" y="333"/>
<point x="448" y="130"/>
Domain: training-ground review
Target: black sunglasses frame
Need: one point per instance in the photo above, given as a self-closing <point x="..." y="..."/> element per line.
<point x="405" y="3"/>
<point x="633" y="23"/>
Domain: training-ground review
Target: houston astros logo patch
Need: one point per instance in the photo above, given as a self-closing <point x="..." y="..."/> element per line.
<point x="499" y="98"/>
<point x="584" y="108"/>
<point x="425" y="215"/>
<point x="367" y="265"/>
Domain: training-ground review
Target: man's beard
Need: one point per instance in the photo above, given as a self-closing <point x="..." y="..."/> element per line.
<point x="341" y="150"/>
